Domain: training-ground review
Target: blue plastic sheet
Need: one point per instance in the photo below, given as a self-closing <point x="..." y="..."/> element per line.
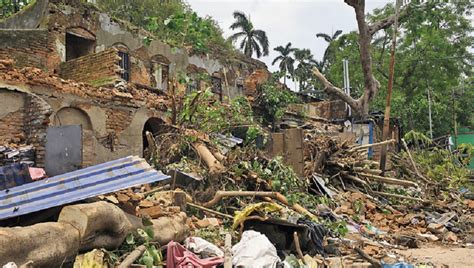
<point x="14" y="175"/>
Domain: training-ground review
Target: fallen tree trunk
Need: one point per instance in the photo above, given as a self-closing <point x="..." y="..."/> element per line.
<point x="80" y="228"/>
<point x="215" y="167"/>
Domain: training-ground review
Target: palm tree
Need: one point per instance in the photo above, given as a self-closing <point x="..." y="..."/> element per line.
<point x="253" y="40"/>
<point x="286" y="61"/>
<point x="303" y="70"/>
<point x="328" y="51"/>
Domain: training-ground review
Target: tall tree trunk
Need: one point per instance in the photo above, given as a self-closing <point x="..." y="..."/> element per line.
<point x="360" y="105"/>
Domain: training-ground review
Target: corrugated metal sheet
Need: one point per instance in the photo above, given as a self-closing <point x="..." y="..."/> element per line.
<point x="77" y="185"/>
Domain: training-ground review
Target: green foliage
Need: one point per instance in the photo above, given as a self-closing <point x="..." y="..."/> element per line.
<point x="433" y="53"/>
<point x="417" y="138"/>
<point x="152" y="255"/>
<point x="273" y="100"/>
<point x="10" y="7"/>
<point x="173" y="22"/>
<point x="303" y="73"/>
<point x="286" y="61"/>
<point x="444" y="166"/>
<point x="202" y="111"/>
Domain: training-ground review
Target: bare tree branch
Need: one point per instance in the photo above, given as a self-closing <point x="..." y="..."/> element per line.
<point x="386" y="23"/>
<point x="331" y="89"/>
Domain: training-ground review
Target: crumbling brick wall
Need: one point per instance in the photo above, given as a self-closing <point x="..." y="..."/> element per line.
<point x="11" y="128"/>
<point x="117" y="120"/>
<point x="37" y="112"/>
<point x="97" y="69"/>
<point x="30" y="48"/>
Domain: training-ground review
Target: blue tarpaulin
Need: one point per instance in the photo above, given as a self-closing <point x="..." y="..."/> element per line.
<point x="14" y="175"/>
<point x="77" y="185"/>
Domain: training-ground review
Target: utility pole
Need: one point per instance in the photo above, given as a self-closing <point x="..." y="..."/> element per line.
<point x="386" y="121"/>
<point x="429" y="113"/>
<point x="347" y="84"/>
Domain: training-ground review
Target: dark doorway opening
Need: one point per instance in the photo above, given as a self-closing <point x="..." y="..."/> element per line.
<point x="155" y="127"/>
<point x="77" y="46"/>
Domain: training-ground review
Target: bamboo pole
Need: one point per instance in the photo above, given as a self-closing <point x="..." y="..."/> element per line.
<point x="400" y="196"/>
<point x="388" y="180"/>
<point x="274" y="195"/>
<point x="210" y="211"/>
<point x="365" y="146"/>
<point x="386" y="121"/>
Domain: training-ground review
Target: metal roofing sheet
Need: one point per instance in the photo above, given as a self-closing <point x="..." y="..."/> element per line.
<point x="77" y="185"/>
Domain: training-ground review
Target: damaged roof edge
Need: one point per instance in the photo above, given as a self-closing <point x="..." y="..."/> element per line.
<point x="77" y="185"/>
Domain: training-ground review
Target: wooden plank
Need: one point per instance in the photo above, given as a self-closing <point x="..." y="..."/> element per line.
<point x="293" y="144"/>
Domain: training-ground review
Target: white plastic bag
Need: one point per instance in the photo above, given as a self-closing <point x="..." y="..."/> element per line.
<point x="254" y="250"/>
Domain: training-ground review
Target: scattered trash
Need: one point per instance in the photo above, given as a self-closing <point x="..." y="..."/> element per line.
<point x="179" y="257"/>
<point x="254" y="250"/>
<point x="202" y="247"/>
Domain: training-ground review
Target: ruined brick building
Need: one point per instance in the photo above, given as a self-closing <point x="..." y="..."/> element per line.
<point x="84" y="86"/>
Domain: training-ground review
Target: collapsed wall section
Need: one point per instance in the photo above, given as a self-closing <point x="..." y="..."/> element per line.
<point x="96" y="69"/>
<point x="27" y="48"/>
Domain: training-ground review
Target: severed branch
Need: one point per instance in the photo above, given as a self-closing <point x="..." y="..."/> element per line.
<point x="386" y="22"/>
<point x="332" y="89"/>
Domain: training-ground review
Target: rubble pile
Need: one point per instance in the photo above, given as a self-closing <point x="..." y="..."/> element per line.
<point x="32" y="76"/>
<point x="17" y="154"/>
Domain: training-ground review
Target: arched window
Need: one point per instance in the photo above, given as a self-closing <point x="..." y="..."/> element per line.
<point x="161" y="71"/>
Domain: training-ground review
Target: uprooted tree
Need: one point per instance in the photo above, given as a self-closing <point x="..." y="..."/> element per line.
<point x="366" y="31"/>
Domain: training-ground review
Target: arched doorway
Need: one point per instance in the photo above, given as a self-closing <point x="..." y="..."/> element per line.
<point x="69" y="141"/>
<point x="154" y="125"/>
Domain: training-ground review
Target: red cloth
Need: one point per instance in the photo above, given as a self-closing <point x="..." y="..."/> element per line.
<point x="178" y="256"/>
<point x="36" y="173"/>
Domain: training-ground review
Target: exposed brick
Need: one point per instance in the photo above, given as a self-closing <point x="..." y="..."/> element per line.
<point x="97" y="69"/>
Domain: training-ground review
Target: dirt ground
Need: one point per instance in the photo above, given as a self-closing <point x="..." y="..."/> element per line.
<point x="453" y="257"/>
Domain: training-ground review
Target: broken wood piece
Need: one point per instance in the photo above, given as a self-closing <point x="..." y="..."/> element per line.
<point x="354" y="178"/>
<point x="296" y="240"/>
<point x="373" y="261"/>
<point x="228" y="251"/>
<point x="400" y="196"/>
<point x="388" y="180"/>
<point x="210" y="211"/>
<point x="413" y="162"/>
<point x="132" y="257"/>
<point x="275" y="195"/>
<point x="215" y="167"/>
<point x="365" y="146"/>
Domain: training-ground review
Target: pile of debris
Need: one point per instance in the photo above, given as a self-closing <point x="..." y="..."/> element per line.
<point x="227" y="202"/>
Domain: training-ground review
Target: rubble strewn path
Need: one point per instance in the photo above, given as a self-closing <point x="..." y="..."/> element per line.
<point x="455" y="257"/>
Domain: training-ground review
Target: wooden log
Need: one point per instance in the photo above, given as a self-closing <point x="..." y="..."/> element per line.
<point x="388" y="180"/>
<point x="46" y="244"/>
<point x="132" y="257"/>
<point x="80" y="228"/>
<point x="215" y="167"/>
